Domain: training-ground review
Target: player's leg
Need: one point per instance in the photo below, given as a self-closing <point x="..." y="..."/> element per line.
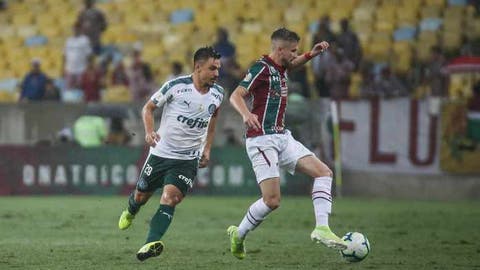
<point x="265" y="164"/>
<point x="262" y="207"/>
<point x="256" y="213"/>
<point x="135" y="201"/>
<point x="296" y="157"/>
<point x="322" y="200"/>
<point x="149" y="180"/>
<point x="179" y="175"/>
<point x="160" y="222"/>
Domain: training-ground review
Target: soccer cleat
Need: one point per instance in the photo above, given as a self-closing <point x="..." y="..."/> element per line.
<point x="125" y="220"/>
<point x="149" y="250"/>
<point x="323" y="234"/>
<point x="237" y="246"/>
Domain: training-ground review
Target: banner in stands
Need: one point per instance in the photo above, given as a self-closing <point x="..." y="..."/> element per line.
<point x="390" y="135"/>
<point x="114" y="170"/>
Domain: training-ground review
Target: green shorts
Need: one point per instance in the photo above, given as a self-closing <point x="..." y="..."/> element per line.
<point x="158" y="172"/>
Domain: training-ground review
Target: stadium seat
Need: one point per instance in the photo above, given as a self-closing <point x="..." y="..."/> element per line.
<point x="452" y="24"/>
<point x="368" y="3"/>
<point x="365" y="13"/>
<point x="405" y="33"/>
<point x="339" y="12"/>
<point x="117" y="94"/>
<point x="294" y="14"/>
<point x="457" y="2"/>
<point x="406" y="16"/>
<point x="438" y="3"/>
<point x="451" y="40"/>
<point x="8" y="97"/>
<point x="430" y="24"/>
<point x="36" y="40"/>
<point x="430" y="12"/>
<point x="26" y="31"/>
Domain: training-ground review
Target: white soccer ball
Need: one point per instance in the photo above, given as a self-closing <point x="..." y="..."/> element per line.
<point x="358" y="247"/>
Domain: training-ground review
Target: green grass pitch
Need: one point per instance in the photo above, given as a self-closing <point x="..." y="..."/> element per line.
<point x="81" y="233"/>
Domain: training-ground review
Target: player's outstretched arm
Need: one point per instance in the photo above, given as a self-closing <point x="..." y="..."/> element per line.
<point x="151" y="137"/>
<point x="205" y="158"/>
<point x="302" y="59"/>
<point x="237" y="99"/>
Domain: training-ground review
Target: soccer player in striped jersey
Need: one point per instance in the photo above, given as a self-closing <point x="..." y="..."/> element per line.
<point x="270" y="146"/>
<point x="181" y="144"/>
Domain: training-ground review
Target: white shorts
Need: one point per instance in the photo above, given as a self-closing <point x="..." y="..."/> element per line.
<point x="269" y="153"/>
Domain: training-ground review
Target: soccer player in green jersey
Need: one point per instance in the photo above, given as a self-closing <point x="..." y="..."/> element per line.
<point x="181" y="144"/>
<point x="270" y="146"/>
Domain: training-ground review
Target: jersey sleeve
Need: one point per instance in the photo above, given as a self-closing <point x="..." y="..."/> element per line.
<point x="253" y="76"/>
<point x="162" y="95"/>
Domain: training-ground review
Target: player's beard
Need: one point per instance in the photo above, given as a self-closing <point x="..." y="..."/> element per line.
<point x="210" y="82"/>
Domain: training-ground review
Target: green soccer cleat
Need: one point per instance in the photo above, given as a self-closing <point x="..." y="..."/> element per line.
<point x="125" y="220"/>
<point x="323" y="234"/>
<point x="237" y="246"/>
<point x="152" y="249"/>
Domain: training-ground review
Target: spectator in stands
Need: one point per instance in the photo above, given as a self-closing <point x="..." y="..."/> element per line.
<point x="90" y="131"/>
<point x="223" y="45"/>
<point x="324" y="32"/>
<point x="34" y="83"/>
<point x="436" y="77"/>
<point x="338" y="74"/>
<point x="92" y="81"/>
<point x="388" y="85"/>
<point x="118" y="135"/>
<point x="93" y="23"/>
<point x="348" y="41"/>
<point x="140" y="76"/>
<point x="119" y="73"/>
<point x="176" y="70"/>
<point x="75" y="58"/>
<point x="230" y="72"/>
<point x="52" y="93"/>
<point x="298" y="79"/>
<point x="367" y="89"/>
<point x="321" y="63"/>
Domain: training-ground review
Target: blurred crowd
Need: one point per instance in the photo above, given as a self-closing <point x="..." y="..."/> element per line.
<point x="89" y="67"/>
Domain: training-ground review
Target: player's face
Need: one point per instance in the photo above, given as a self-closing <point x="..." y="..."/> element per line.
<point x="288" y="52"/>
<point x="208" y="71"/>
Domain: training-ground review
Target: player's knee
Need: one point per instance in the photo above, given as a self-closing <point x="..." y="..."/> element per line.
<point x="323" y="172"/>
<point x="171" y="199"/>
<point x="327" y="172"/>
<point x="272" y="202"/>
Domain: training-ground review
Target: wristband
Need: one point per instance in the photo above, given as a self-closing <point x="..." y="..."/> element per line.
<point x="308" y="55"/>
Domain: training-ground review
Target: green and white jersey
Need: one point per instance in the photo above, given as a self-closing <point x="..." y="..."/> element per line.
<point x="185" y="117"/>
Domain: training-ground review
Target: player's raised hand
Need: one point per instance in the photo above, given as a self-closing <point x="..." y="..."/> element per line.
<point x="204" y="159"/>
<point x="152" y="138"/>
<point x="319" y="48"/>
<point x="251" y="120"/>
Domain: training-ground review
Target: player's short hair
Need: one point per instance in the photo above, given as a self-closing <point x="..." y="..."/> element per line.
<point x="205" y="53"/>
<point x="285" y="35"/>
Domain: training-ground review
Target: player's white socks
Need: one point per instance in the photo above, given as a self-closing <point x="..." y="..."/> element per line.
<point x="322" y="199"/>
<point x="255" y="215"/>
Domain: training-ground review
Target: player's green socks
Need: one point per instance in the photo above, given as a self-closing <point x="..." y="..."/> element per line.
<point x="160" y="222"/>
<point x="133" y="206"/>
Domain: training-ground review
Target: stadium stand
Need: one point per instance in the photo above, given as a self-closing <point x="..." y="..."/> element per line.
<point x="390" y="31"/>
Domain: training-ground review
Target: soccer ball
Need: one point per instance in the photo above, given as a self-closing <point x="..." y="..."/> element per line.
<point x="358" y="247"/>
